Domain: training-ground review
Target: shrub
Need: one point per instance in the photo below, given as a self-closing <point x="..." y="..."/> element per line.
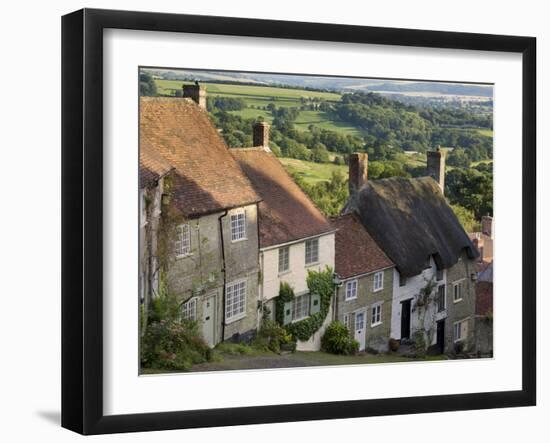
<point x="337" y="340"/>
<point x="173" y="345"/>
<point x="272" y="336"/>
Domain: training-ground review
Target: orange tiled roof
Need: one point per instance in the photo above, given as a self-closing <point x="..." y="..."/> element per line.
<point x="152" y="166"/>
<point x="206" y="177"/>
<point x="286" y="212"/>
<point x="356" y="251"/>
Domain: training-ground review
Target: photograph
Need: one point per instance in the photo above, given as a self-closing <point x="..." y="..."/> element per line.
<point x="290" y="220"/>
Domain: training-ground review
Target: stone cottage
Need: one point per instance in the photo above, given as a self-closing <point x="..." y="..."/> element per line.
<point x="295" y="237"/>
<point x="484" y="312"/>
<point x="364" y="290"/>
<point x="206" y="211"/>
<point x="434" y="276"/>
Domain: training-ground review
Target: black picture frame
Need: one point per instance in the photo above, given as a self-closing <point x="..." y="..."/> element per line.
<point x="82" y="217"/>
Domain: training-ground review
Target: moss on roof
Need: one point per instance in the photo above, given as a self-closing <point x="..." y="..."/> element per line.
<point x="411" y="220"/>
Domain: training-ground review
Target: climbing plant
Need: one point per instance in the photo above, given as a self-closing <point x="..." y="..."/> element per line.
<point x="423" y="303"/>
<point x="318" y="282"/>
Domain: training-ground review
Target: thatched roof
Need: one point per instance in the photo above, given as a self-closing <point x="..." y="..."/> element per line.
<point x="411" y="220"/>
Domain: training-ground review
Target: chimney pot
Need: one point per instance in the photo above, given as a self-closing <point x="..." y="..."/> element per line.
<point x="197" y="93"/>
<point x="260" y="134"/>
<point x="358" y="171"/>
<point x="436" y="167"/>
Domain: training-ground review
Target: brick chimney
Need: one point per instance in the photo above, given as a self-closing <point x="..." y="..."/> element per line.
<point x="358" y="171"/>
<point x="487" y="225"/>
<point x="436" y="167"/>
<point x="260" y="134"/>
<point x="197" y="93"/>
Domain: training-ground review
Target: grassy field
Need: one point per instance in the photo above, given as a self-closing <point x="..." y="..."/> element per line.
<point x="324" y="121"/>
<point x="312" y="172"/>
<point x="263" y="94"/>
<point x="487" y="132"/>
<point x="481" y="162"/>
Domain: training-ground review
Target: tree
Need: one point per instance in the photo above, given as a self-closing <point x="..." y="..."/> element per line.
<point x="466" y="218"/>
<point x="147" y="86"/>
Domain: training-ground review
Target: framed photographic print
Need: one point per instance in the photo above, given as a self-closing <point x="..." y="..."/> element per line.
<point x="271" y="221"/>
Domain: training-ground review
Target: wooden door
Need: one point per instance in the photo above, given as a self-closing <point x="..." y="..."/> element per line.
<point x="208" y="317"/>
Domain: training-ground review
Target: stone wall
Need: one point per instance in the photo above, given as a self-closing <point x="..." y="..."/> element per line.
<point x="201" y="273"/>
<point x="376" y="337"/>
<point x="463" y="310"/>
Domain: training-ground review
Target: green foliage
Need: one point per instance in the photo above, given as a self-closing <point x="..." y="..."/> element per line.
<point x="318" y="282"/>
<point x="165" y="306"/>
<point x="225" y="104"/>
<point x="173" y="345"/>
<point x="466" y="218"/>
<point x="286" y="294"/>
<point x="389" y="127"/>
<point x="147" y="85"/>
<point x="337" y="340"/>
<point x="458" y="157"/>
<point x="272" y="336"/>
<point x="472" y="189"/>
<point x="329" y="196"/>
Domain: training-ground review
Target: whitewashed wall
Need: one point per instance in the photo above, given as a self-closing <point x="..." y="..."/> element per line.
<point x="297" y="274"/>
<point x="411" y="290"/>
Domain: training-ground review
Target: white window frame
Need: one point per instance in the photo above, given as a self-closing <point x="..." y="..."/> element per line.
<point x="183" y="243"/>
<point x="351" y="290"/>
<point x="457" y="327"/>
<point x="313" y="260"/>
<point x="285" y="251"/>
<point x="458" y="284"/>
<point x="444" y="298"/>
<point x="232" y="314"/>
<point x="364" y="315"/>
<point x="378" y="281"/>
<point x="238" y="226"/>
<point x="347" y="321"/>
<point x="376" y="314"/>
<point x="189" y="309"/>
<point x="303" y="301"/>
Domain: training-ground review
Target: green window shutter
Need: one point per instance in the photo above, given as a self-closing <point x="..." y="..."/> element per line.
<point x="315" y="305"/>
<point x="287" y="313"/>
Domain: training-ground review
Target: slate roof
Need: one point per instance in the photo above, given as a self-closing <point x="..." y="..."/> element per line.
<point x="410" y="219"/>
<point x="356" y="251"/>
<point x="286" y="212"/>
<point x="206" y="177"/>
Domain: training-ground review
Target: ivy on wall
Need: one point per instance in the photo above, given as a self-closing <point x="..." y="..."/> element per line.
<point x="318" y="282"/>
